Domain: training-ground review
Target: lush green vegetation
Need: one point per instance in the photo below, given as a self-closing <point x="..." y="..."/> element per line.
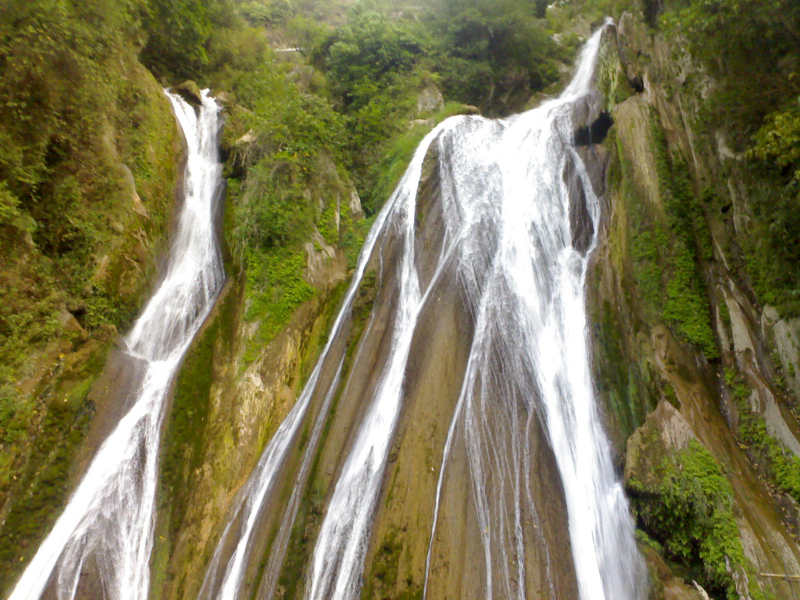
<point x="78" y="123"/>
<point x="490" y="54"/>
<point x="690" y="513"/>
<point x="88" y="149"/>
<point x="775" y="460"/>
<point x="669" y="249"/>
<point x="750" y="49"/>
<point x="285" y="182"/>
<point x="299" y="136"/>
<point x="686" y="305"/>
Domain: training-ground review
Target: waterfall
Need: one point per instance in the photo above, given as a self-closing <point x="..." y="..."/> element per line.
<point x="529" y="294"/>
<point x="101" y="544"/>
<point x="517" y="242"/>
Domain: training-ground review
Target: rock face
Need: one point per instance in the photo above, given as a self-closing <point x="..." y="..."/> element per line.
<point x="429" y="100"/>
<point x="227" y="407"/>
<point x="190" y="92"/>
<point x="442" y="504"/>
<point x="694" y="375"/>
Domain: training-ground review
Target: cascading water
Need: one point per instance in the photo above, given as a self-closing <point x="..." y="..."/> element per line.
<point x="509" y="239"/>
<point x="107" y="527"/>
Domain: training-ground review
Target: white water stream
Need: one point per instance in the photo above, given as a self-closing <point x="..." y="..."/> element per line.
<point x="508" y="235"/>
<point x="106" y="529"/>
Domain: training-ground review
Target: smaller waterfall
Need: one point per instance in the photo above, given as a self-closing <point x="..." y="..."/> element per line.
<point x="106" y="529"/>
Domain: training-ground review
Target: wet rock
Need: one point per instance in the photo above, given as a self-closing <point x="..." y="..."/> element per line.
<point x="580" y="220"/>
<point x="190" y="92"/>
<point x="70" y="324"/>
<point x="136" y="202"/>
<point x="785" y="334"/>
<point x="594" y="133"/>
<point x="324" y="267"/>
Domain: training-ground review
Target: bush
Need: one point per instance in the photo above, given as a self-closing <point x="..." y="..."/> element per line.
<point x="690" y="512"/>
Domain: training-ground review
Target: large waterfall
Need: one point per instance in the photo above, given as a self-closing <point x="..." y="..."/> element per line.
<point x="508" y="235"/>
<point x="100" y="546"/>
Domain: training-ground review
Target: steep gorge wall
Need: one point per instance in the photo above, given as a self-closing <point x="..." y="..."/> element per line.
<point x="676" y="326"/>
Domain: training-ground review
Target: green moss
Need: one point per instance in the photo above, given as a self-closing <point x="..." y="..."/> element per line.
<point x="39" y="490"/>
<point x="779" y="463"/>
<point x="690" y="513"/>
<point x="384" y="567"/>
<point x="611" y="80"/>
<point x="618" y="379"/>
<point x="382" y="579"/>
<point x="668" y="250"/>
<point x="643" y="538"/>
<point x="186" y="430"/>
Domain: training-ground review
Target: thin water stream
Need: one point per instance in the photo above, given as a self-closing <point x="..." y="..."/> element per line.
<point x="100" y="545"/>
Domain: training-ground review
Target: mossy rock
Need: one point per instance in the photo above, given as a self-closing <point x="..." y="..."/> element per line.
<point x="190" y="92"/>
<point x="683" y="501"/>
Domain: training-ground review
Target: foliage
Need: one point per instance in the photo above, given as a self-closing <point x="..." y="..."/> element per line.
<point x="363" y="55"/>
<point x="486" y="52"/>
<point x="690" y="512"/>
<point x="272" y="12"/>
<point x="781" y="465"/>
<point x="750" y="49"/>
<point x="83" y="130"/>
<point x="773" y="253"/>
<point x="686" y="304"/>
<point x="284" y="181"/>
<point x="371" y="64"/>
<point x="667" y="250"/>
<point x="778" y="143"/>
<point x="276" y="287"/>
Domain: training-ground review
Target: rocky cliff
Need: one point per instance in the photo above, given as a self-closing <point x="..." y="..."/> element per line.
<point x="697" y="377"/>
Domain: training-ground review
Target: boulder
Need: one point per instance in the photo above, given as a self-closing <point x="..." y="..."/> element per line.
<point x="429" y="100"/>
<point x="663" y="433"/>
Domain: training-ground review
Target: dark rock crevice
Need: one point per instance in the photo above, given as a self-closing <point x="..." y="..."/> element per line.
<point x="594" y="133"/>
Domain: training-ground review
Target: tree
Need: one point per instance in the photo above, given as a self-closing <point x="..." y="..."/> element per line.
<point x="177" y="33"/>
